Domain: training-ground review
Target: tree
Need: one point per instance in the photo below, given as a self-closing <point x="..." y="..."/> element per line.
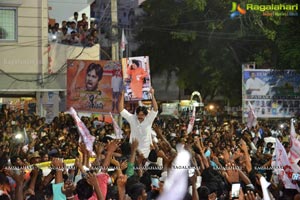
<point x="206" y="48"/>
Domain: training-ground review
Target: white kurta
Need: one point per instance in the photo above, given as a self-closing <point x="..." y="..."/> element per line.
<point x="257" y="84"/>
<point x="141" y="131"/>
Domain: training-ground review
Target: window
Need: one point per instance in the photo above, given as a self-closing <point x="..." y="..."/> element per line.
<point x="8" y="30"/>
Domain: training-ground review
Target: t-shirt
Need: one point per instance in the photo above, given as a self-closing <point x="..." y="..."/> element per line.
<point x="57" y="193"/>
<point x="102" y="181"/>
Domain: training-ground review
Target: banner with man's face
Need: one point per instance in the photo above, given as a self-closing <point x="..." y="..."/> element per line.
<point x="272" y="93"/>
<point x="92" y="86"/>
<point x="136" y="75"/>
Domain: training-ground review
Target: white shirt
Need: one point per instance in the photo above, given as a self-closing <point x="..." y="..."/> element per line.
<point x="254" y="84"/>
<point x="141" y="131"/>
<point x="116" y="82"/>
<point x="70" y="30"/>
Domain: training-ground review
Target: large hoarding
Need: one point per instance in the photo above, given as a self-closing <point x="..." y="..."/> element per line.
<point x="94" y="86"/>
<point x="272" y="93"/>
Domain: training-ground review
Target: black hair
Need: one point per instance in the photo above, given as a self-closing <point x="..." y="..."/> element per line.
<point x="98" y="69"/>
<point x="112" y="192"/>
<point x="125" y="148"/>
<point x="136" y="190"/>
<point x="76" y="13"/>
<point x="146" y="180"/>
<point x="286" y="144"/>
<point x="84" y="190"/>
<point x="3" y="179"/>
<point x="152" y="156"/>
<point x="203" y="192"/>
<point x="48" y="191"/>
<point x="131" y="181"/>
<point x="4" y="197"/>
<point x="136" y="62"/>
<point x="3" y="162"/>
<point x="13" y="159"/>
<point x="141" y="109"/>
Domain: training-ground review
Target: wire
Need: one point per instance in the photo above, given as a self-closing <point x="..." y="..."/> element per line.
<point x="16" y="46"/>
<point x="53" y="76"/>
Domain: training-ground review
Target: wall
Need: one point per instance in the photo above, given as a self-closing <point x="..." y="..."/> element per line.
<point x="29" y="53"/>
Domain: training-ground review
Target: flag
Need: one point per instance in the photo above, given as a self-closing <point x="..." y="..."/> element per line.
<point x="282" y="166"/>
<point x="123" y="41"/>
<point x="26" y="139"/>
<point x="252" y="119"/>
<point x="25" y="148"/>
<point x="294" y="154"/>
<point x="176" y="182"/>
<point x="192" y="120"/>
<point x="85" y="135"/>
<point x="118" y="131"/>
<point x="264" y="186"/>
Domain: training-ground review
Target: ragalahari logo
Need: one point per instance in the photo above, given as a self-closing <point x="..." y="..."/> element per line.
<point x="236" y="10"/>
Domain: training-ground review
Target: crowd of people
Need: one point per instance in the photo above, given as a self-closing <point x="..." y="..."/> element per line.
<point x="139" y="165"/>
<point x="75" y="32"/>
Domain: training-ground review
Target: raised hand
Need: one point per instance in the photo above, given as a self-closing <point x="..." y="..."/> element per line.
<point x="92" y="180"/>
<point x="78" y="163"/>
<point x="68" y="188"/>
<point x="99" y="148"/>
<point x="57" y="163"/>
<point x="82" y="148"/>
<point x="243" y="145"/>
<point x="124" y="165"/>
<point x="115" y="162"/>
<point x="151" y="91"/>
<point x="112" y="146"/>
<point x="232" y="173"/>
<point x="122" y="180"/>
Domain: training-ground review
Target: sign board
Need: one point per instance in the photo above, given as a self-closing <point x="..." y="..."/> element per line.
<point x="272" y="93"/>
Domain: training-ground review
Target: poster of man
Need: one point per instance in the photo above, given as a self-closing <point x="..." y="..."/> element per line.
<point x="256" y="86"/>
<point x="90" y="87"/>
<point x="272" y="93"/>
<point x="136" y="76"/>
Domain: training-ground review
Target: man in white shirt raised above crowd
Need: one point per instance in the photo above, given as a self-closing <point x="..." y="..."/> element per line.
<point x="141" y="123"/>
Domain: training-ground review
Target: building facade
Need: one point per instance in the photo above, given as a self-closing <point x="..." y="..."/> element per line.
<point x="32" y="70"/>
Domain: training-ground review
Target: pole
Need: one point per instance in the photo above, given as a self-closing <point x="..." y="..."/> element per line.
<point x="114" y="30"/>
<point x="115" y="39"/>
<point x="98" y="5"/>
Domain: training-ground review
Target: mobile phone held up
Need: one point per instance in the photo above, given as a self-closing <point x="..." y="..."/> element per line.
<point x="235" y="190"/>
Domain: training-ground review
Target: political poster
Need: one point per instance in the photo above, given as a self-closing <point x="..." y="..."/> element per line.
<point x="94" y="86"/>
<point x="136" y="76"/>
<point x="272" y="93"/>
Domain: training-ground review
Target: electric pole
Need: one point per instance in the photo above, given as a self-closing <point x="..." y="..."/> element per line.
<point x="98" y="5"/>
<point x="114" y="30"/>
